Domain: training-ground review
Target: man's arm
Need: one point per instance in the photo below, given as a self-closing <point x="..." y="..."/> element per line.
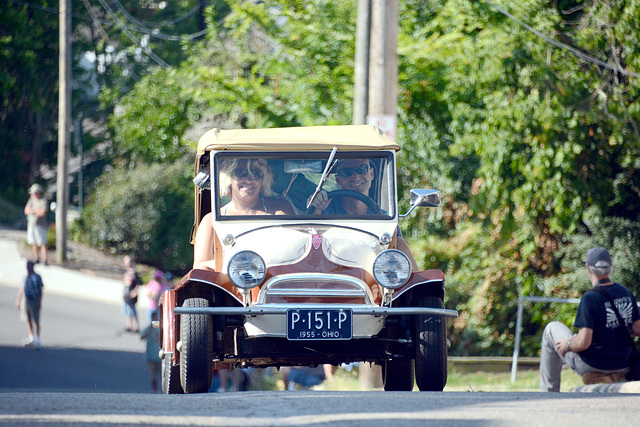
<point x="579" y="342"/>
<point x="636" y="328"/>
<point x="321" y="202"/>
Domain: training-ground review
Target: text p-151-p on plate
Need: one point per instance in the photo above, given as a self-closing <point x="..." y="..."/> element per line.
<point x="319" y="324"/>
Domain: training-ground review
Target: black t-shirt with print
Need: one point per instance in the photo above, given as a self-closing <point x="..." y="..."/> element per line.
<point x="609" y="347"/>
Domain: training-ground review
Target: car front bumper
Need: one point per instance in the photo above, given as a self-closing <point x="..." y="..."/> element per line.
<point x="270" y="320"/>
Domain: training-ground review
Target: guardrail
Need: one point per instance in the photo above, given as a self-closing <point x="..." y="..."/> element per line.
<point x="516" y="345"/>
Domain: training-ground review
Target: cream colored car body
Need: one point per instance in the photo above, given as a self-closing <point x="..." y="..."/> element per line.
<point x="321" y="264"/>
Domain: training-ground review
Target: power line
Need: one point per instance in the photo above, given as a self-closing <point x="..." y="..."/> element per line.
<point x="561" y="45"/>
<point x="175" y="20"/>
<point x="155" y="33"/>
<point x="87" y="5"/>
<point x="145" y="49"/>
<point x="150" y="32"/>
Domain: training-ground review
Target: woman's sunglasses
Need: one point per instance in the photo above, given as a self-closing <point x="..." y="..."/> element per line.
<point x="242" y="173"/>
<point x="346" y="172"/>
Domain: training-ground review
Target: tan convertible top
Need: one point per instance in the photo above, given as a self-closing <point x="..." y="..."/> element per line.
<point x="313" y="138"/>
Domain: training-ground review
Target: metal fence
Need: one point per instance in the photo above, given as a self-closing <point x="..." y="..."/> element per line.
<point x="516" y="346"/>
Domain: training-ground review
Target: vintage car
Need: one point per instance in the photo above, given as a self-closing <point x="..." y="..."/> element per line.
<point x="290" y="284"/>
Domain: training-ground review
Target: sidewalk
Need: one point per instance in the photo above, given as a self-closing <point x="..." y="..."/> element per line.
<point x="56" y="279"/>
<point x="628" y="387"/>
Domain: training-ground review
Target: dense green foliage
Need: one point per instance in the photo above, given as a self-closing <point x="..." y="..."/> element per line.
<point x="535" y="150"/>
<point x="146" y="212"/>
<point x="536" y="139"/>
<point x="28" y="95"/>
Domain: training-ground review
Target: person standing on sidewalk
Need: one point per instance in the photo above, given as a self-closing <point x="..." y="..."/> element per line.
<point x="36" y="212"/>
<point x="599" y="352"/>
<point x="131" y="287"/>
<point x="30" y="301"/>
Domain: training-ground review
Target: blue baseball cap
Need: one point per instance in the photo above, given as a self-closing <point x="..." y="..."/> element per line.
<point x="598" y="257"/>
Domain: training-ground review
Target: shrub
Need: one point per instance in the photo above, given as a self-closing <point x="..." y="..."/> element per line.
<point x="146" y="212"/>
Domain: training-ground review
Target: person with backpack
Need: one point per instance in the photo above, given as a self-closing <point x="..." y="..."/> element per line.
<point x="29" y="300"/>
<point x="607" y="316"/>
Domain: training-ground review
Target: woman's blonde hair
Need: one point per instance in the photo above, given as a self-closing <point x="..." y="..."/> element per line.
<point x="229" y="165"/>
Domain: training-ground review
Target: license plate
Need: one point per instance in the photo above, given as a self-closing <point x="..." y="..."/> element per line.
<point x="319" y="324"/>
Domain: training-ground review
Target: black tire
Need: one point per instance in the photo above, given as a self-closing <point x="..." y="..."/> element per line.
<point x="170" y="377"/>
<point x="397" y="375"/>
<point x="431" y="348"/>
<point x="196" y="335"/>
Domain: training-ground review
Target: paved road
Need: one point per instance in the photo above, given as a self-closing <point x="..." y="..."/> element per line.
<point x="84" y="346"/>
<point x="322" y="408"/>
<point x="90" y="372"/>
<point x="84" y="349"/>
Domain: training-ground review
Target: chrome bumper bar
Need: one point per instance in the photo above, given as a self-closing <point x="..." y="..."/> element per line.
<point x="281" y="310"/>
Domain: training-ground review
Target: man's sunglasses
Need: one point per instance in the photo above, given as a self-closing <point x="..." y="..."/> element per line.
<point x="243" y="173"/>
<point x="346" y="172"/>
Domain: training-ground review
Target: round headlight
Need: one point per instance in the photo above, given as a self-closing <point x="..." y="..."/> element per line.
<point x="391" y="269"/>
<point x="246" y="269"/>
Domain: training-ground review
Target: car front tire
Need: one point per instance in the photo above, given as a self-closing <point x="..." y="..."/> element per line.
<point x="170" y="377"/>
<point x="431" y="348"/>
<point x="196" y="334"/>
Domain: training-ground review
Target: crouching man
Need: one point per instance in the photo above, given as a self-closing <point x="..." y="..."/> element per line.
<point x="599" y="352"/>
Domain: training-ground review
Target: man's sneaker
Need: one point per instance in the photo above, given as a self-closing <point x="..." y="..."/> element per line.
<point x="28" y="342"/>
<point x="602" y="378"/>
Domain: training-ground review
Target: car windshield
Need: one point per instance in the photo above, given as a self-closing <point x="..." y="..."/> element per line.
<point x="266" y="185"/>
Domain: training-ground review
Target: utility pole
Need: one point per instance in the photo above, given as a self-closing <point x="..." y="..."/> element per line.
<point x="361" y="69"/>
<point x="78" y="143"/>
<point x="383" y="68"/>
<point x="64" y="129"/>
<point x="382" y="100"/>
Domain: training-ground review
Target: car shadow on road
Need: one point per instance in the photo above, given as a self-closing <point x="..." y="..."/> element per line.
<point x="72" y="370"/>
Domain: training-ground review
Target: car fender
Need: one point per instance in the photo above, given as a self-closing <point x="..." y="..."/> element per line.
<point x="428" y="282"/>
<point x="168" y="324"/>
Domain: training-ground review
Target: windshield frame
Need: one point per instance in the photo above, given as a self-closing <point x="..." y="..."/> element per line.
<point x="386" y="183"/>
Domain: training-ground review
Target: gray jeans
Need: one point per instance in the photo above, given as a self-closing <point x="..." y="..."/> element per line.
<point x="551" y="361"/>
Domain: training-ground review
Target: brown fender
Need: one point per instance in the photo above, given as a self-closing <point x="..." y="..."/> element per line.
<point x="430" y="282"/>
<point x="168" y="324"/>
<point x="212" y="278"/>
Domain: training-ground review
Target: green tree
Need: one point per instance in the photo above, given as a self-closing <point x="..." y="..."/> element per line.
<point x="262" y="69"/>
<point x="28" y="94"/>
<point x="528" y="133"/>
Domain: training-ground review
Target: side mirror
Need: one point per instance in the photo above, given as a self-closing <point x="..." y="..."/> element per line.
<point x="426" y="198"/>
<point x="202" y="180"/>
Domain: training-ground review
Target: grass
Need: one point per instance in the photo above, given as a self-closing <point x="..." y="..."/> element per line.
<point x="470" y="382"/>
<point x="501" y="381"/>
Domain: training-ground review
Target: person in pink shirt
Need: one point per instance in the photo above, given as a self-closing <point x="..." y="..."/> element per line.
<point x="155" y="289"/>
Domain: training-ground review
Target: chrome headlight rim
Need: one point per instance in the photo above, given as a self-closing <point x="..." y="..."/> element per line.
<point x="253" y="266"/>
<point x="381" y="269"/>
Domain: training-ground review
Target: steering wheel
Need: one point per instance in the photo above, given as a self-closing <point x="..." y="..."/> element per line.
<point x="371" y="204"/>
